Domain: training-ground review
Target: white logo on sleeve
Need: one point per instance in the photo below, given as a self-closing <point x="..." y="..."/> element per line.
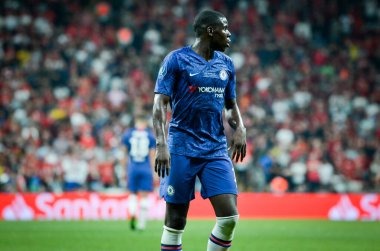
<point x="162" y="71"/>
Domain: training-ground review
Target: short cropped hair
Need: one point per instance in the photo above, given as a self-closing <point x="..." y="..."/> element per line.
<point x="205" y="19"/>
<point x="141" y="117"/>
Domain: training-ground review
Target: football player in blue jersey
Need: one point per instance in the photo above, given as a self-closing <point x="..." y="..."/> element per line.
<point x="198" y="82"/>
<point x="140" y="146"/>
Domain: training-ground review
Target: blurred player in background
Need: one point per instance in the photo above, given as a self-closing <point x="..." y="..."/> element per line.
<point x="198" y="82"/>
<point x="140" y="146"/>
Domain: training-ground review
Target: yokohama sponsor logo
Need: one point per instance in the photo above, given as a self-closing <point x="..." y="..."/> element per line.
<point x="210" y="89"/>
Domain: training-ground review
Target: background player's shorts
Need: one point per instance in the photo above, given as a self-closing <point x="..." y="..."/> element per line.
<point x="216" y="176"/>
<point x="140" y="179"/>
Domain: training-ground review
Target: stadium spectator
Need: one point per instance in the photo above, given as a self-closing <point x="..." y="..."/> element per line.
<point x="75" y="170"/>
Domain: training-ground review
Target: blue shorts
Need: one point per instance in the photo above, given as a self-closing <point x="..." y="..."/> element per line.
<point x="140" y="179"/>
<point x="216" y="176"/>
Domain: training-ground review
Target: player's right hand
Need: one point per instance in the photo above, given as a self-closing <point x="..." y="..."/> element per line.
<point x="162" y="161"/>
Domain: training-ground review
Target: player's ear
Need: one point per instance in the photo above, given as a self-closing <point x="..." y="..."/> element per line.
<point x="210" y="30"/>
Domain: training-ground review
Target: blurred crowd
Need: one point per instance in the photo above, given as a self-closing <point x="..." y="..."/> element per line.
<point x="74" y="73"/>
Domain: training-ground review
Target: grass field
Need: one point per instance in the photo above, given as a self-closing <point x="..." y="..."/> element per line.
<point x="268" y="235"/>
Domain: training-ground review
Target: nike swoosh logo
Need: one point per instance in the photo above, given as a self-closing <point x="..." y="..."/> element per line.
<point x="193" y="74"/>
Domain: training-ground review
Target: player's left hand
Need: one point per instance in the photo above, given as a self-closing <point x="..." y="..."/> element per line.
<point x="238" y="145"/>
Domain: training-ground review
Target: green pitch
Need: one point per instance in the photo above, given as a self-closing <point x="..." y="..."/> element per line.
<point x="251" y="235"/>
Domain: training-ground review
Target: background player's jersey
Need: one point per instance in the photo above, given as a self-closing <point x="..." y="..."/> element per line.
<point x="139" y="143"/>
<point x="197" y="89"/>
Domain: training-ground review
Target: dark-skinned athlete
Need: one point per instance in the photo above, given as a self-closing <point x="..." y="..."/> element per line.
<point x="198" y="83"/>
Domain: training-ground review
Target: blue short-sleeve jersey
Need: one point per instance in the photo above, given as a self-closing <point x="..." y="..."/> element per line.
<point x="139" y="143"/>
<point x="197" y="89"/>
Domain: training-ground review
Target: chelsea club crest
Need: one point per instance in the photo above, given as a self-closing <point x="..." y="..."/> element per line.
<point x="170" y="190"/>
<point x="223" y="75"/>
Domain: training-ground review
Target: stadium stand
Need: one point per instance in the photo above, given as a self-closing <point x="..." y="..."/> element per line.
<point x="73" y="74"/>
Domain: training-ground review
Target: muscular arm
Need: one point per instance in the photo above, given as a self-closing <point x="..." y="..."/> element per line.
<point x="238" y="143"/>
<point x="162" y="159"/>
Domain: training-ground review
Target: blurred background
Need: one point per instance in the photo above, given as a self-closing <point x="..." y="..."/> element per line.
<point x="74" y="73"/>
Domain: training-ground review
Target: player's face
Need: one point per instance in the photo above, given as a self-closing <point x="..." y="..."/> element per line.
<point x="221" y="36"/>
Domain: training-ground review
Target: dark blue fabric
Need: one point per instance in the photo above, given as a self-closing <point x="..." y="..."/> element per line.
<point x="197" y="89"/>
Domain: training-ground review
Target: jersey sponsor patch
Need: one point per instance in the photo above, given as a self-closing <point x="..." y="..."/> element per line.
<point x="192" y="88"/>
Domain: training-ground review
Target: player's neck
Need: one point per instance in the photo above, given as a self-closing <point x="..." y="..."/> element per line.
<point x="203" y="49"/>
